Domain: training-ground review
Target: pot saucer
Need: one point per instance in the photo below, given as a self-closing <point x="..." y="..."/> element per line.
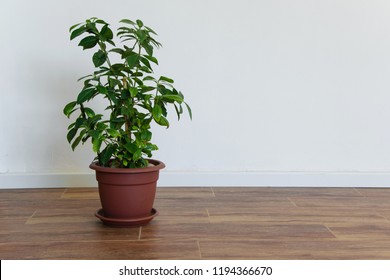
<point x="125" y="222"/>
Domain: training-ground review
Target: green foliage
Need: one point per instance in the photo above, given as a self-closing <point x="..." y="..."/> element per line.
<point x="134" y="96"/>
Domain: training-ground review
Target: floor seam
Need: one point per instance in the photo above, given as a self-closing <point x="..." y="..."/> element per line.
<point x="200" y="252"/>
<point x="139" y="233"/>
<point x="208" y="215"/>
<point x="356" y="190"/>
<point x="331" y="231"/>
<point x="32" y="215"/>
<point x="293" y="203"/>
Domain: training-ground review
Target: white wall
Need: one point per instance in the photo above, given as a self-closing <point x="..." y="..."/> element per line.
<point x="283" y="92"/>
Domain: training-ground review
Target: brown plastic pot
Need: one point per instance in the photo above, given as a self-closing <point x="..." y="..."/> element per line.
<point x="127" y="194"/>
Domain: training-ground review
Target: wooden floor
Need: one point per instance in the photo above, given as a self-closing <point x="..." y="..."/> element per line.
<point x="201" y="223"/>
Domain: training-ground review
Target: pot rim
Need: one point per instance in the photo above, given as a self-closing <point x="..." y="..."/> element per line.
<point x="157" y="165"/>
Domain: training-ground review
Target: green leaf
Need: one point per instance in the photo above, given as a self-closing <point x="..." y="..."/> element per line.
<point x="101" y="126"/>
<point x="99" y="58"/>
<point x="127" y="21"/>
<point x="88" y="42"/>
<point x="107" y="153"/>
<point x="172" y="98"/>
<point x="112" y="96"/>
<point x="77" y="32"/>
<point x="149" y="78"/>
<point x="113" y="132"/>
<point x="162" y="89"/>
<point x="150" y="147"/>
<point x="138" y="81"/>
<point x="157" y="112"/>
<point x="117" y="122"/>
<point x="151" y="58"/>
<point x="150" y="30"/>
<point x="153" y="147"/>
<point x="140" y="23"/>
<point x="145" y="62"/>
<point x="131" y="147"/>
<point x="126" y="32"/>
<point x="125" y="94"/>
<point x="145" y="89"/>
<point x="95" y="134"/>
<point x="84" y="77"/>
<point x="111" y="42"/>
<point x="143" y="69"/>
<point x="71" y="134"/>
<point x="78" y="139"/>
<point x="148" y="48"/>
<point x="79" y="122"/>
<point x="101" y="21"/>
<point x="137" y="155"/>
<point x="146" y="135"/>
<point x="90" y="113"/>
<point x="91" y="28"/>
<point x="96" y="145"/>
<point x="114" y="82"/>
<point x="74" y="26"/>
<point x="92" y="122"/>
<point x="164" y="110"/>
<point x="102" y="89"/>
<point x="179" y="110"/>
<point x="155" y="43"/>
<point x="163" y="121"/>
<point x="166" y="79"/>
<point x="85" y="95"/>
<point x="133" y="91"/>
<point x="68" y="109"/>
<point x="106" y="33"/>
<point x="117" y="68"/>
<point x="117" y="50"/>
<point x="71" y="125"/>
<point x="132" y="60"/>
<point x="189" y="110"/>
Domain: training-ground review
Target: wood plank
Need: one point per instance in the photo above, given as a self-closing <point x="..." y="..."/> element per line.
<point x="373" y="202"/>
<point x="377" y="192"/>
<point x="205" y="231"/>
<point x="81" y="193"/>
<point x="131" y="250"/>
<point x="201" y="223"/>
<point x="188" y="192"/>
<point x="283" y="215"/>
<point x="286" y="192"/>
<point x="28" y="194"/>
<point x="91" y="230"/>
<point x="361" y="231"/>
<point x="275" y="249"/>
<point x="22" y="251"/>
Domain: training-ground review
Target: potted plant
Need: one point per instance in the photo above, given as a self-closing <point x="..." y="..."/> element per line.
<point x="121" y="135"/>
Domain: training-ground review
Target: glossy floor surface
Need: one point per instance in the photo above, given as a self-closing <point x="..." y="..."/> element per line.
<point x="201" y="223"/>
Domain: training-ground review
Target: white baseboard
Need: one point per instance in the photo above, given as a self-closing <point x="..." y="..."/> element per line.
<point x="28" y="180"/>
<point x="209" y="179"/>
<point x="277" y="179"/>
